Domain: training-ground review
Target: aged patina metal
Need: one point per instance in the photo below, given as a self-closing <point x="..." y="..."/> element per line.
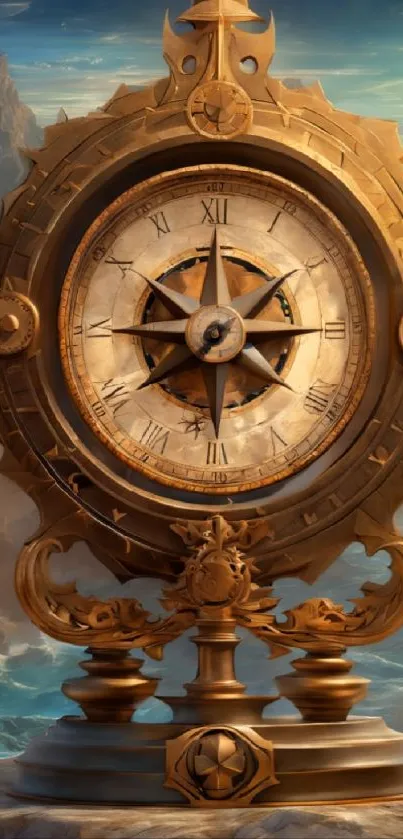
<point x="201" y="344"/>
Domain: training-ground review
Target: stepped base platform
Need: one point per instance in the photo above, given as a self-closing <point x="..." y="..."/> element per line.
<point x="27" y="820"/>
<point x="360" y="760"/>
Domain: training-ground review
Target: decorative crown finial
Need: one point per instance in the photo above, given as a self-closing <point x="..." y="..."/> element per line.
<point x="218" y="67"/>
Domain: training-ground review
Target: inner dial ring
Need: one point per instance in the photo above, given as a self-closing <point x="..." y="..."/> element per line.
<point x="298" y="411"/>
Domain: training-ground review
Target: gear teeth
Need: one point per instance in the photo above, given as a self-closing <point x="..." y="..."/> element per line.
<point x="9" y="200"/>
<point x="62" y="116"/>
<point x="33" y="155"/>
<point x="77" y="128"/>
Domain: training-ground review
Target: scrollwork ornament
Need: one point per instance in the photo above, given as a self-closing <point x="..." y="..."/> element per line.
<point x="319" y="622"/>
<point x="63" y="613"/>
<point x="218" y="575"/>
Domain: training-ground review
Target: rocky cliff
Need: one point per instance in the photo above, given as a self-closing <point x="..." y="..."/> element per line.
<point x="18" y="129"/>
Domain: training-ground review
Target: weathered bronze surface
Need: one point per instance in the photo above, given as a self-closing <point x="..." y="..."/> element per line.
<point x="133" y="773"/>
<point x="18" y="323"/>
<point x="217" y="125"/>
<point x="113" y="688"/>
<point x="220" y="767"/>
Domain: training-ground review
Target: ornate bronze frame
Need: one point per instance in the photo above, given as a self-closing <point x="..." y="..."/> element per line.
<point x="354" y="165"/>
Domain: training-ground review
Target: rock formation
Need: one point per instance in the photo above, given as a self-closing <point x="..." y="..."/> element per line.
<point x="18" y="129"/>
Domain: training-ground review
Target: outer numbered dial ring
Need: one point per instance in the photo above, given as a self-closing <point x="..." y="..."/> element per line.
<point x="161" y="232"/>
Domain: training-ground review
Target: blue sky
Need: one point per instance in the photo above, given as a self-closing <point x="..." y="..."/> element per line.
<point x="74" y="53"/>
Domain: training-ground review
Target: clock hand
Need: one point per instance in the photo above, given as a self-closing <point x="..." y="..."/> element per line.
<point x="215" y="289"/>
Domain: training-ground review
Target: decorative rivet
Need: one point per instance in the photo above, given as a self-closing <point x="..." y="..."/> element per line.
<point x="18" y="322"/>
<point x="9" y="323"/>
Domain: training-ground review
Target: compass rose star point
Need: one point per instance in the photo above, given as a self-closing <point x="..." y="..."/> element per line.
<point x="217" y="331"/>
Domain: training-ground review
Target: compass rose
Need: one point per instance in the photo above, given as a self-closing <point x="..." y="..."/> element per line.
<point x="216" y="332"/>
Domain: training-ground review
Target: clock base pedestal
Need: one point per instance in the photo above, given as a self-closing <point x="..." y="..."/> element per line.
<point x="360" y="759"/>
<point x="322" y="688"/>
<point x="113" y="688"/>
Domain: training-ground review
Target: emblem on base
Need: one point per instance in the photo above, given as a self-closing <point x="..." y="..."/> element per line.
<point x="220" y="766"/>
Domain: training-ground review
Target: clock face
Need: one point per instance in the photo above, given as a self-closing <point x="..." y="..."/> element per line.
<point x="216" y="327"/>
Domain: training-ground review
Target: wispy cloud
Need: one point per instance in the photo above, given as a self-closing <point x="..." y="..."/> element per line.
<point x="11" y="9"/>
<point x="389" y="84"/>
<point x="116" y="37"/>
<point x="80" y="93"/>
<point x="319" y="72"/>
<point x="128" y="38"/>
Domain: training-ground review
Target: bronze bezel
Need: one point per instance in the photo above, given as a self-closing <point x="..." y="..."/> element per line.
<point x="150" y="191"/>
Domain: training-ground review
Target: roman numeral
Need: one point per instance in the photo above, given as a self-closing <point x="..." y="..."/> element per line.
<point x="274" y="222"/>
<point x="216" y="455"/>
<point x="100" y="329"/>
<point x="335" y="330"/>
<point x="161" y="224"/>
<point x="215" y="211"/>
<point x="155" y="437"/>
<point x="277" y="442"/>
<point x="319" y="398"/>
<point x="314" y="262"/>
<point x="115" y="396"/>
<point x="111" y="260"/>
<point x="123" y="265"/>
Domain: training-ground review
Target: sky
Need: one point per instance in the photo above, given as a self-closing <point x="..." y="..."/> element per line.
<point x="75" y="53"/>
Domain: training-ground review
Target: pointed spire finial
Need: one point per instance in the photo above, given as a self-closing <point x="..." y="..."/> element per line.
<point x="230" y="11"/>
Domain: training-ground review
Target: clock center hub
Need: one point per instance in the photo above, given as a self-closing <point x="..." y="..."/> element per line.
<point x="215" y="334"/>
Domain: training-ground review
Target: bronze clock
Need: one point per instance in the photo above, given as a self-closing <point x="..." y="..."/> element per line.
<point x="200" y="341"/>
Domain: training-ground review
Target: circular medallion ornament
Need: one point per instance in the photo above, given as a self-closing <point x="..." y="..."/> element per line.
<point x="18" y="321"/>
<point x="220" y="110"/>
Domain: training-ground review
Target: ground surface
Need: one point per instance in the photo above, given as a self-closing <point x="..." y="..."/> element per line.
<point x="38" y="821"/>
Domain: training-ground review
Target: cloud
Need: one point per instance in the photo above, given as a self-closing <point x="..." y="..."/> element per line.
<point x="128" y="38"/>
<point x="65" y="85"/>
<point x="116" y="37"/>
<point x="318" y="73"/>
<point x="383" y="86"/>
<point x="11" y="9"/>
